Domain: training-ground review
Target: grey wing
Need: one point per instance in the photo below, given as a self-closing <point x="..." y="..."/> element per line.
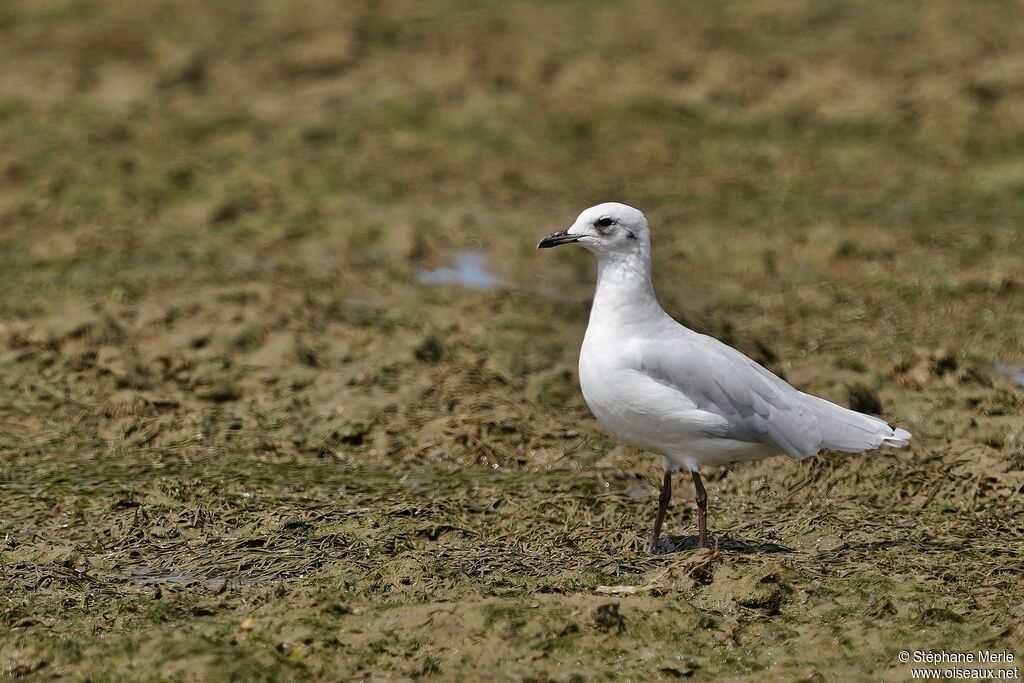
<point x="756" y="406"/>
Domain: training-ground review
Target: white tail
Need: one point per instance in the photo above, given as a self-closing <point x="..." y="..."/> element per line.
<point x="847" y="430"/>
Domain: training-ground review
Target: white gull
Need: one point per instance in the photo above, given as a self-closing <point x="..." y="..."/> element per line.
<point x="686" y="396"/>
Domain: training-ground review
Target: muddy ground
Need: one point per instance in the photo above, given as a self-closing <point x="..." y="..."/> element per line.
<point x="288" y="394"/>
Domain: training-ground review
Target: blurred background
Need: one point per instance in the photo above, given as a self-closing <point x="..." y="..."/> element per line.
<point x="271" y="244"/>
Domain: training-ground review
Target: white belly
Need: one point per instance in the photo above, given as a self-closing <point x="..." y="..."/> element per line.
<point x="657" y="418"/>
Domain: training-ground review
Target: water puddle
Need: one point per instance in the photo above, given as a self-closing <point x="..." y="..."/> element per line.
<point x="639" y="493"/>
<point x="1012" y="372"/>
<point x="145" y="576"/>
<point x="470" y="270"/>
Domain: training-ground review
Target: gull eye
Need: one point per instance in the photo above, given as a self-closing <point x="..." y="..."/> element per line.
<point x="605" y="222"/>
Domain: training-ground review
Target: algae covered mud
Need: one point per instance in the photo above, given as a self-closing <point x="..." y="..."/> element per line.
<point x="287" y="393"/>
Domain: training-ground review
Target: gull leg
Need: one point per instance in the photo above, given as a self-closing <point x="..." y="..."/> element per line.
<point x="663" y="499"/>
<point x="702" y="509"/>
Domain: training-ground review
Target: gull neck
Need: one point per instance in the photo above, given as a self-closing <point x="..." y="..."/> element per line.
<point x="625" y="293"/>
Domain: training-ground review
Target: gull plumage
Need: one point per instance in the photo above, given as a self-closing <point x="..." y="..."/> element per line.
<point x="686" y="396"/>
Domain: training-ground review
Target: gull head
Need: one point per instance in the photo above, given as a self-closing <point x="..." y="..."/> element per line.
<point x="608" y="230"/>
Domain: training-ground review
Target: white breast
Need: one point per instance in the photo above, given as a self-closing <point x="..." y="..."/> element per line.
<point x="631" y="407"/>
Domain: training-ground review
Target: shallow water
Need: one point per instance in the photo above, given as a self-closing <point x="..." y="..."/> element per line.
<point x="146" y="575"/>
<point x="1013" y="372"/>
<point x="470" y="270"/>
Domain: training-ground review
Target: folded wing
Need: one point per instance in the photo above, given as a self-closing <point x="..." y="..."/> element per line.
<point x="758" y="406"/>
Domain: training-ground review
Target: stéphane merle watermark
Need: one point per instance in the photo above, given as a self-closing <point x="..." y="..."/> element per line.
<point x="983" y="665"/>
